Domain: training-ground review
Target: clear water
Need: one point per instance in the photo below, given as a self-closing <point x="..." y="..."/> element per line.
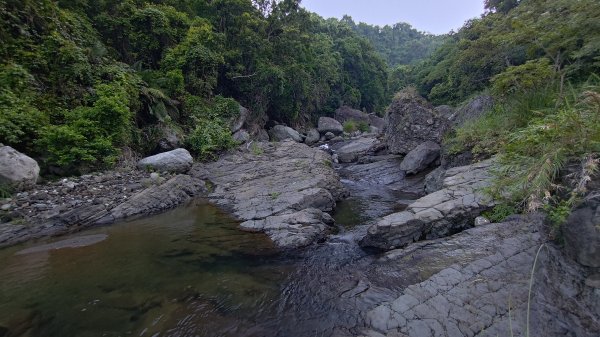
<point x="188" y="272"/>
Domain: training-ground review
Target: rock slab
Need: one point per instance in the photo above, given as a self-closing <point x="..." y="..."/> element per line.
<point x="436" y="215"/>
<point x="17" y="170"/>
<point x="176" y="161"/>
<point x="281" y="189"/>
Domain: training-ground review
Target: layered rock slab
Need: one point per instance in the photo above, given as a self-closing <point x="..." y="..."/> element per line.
<point x="473" y="278"/>
<point x="438" y="214"/>
<point x="282" y="189"/>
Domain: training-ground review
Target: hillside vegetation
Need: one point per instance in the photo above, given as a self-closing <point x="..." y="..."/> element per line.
<point x="80" y="80"/>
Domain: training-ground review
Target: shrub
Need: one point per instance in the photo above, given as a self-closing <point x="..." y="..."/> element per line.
<point x="208" y="137"/>
<point x="350" y="126"/>
<point x="363" y="126"/>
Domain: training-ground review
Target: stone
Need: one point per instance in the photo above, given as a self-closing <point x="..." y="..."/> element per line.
<point x="346" y="113"/>
<point x="355" y="149"/>
<point x="376" y="121"/>
<point x="261" y="135"/>
<point x="475" y="108"/>
<point x="329" y="136"/>
<point x="237" y="123"/>
<point x="176" y="161"/>
<point x="439" y="214"/>
<point x="154" y="176"/>
<point x="280" y="132"/>
<point x="411" y="120"/>
<point x="593" y="281"/>
<point x="17" y="170"/>
<point x="420" y="157"/>
<point x="286" y="178"/>
<point x="241" y="136"/>
<point x="295" y="229"/>
<point x="481" y="220"/>
<point x="374" y="130"/>
<point x="582" y="234"/>
<point x="312" y="137"/>
<point x="328" y="124"/>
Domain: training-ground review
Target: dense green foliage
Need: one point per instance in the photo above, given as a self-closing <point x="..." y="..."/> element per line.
<point x="562" y="34"/>
<point x="538" y="59"/>
<point x="399" y="44"/>
<point x="81" y="79"/>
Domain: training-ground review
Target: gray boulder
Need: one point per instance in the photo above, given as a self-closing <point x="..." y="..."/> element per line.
<point x="17" y="170"/>
<point x="411" y="120"/>
<point x="421" y="157"/>
<point x="312" y="137"/>
<point x="346" y="113"/>
<point x="176" y="161"/>
<point x="241" y="136"/>
<point x="355" y="149"/>
<point x="473" y="109"/>
<point x="328" y="124"/>
<point x="439" y="214"/>
<point x="377" y="122"/>
<point x="582" y="234"/>
<point x="280" y="132"/>
<point x="237" y="122"/>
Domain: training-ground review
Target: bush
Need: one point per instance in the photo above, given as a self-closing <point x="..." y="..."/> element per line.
<point x="350" y="126"/>
<point x="208" y="137"/>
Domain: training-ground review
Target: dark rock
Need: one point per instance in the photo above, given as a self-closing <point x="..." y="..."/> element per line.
<point x="434" y="181"/>
<point x="279" y="133"/>
<point x="327" y="124"/>
<point x="329" y="136"/>
<point x="582" y="234"/>
<point x="177" y="161"/>
<point x="377" y="122"/>
<point x="411" y="120"/>
<point x="170" y="138"/>
<point x="420" y="157"/>
<point x="346" y="113"/>
<point x="17" y="170"/>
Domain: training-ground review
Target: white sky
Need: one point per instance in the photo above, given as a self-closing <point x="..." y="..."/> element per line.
<point x="433" y="16"/>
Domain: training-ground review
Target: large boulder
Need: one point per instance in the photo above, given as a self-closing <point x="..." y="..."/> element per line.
<point x="241" y="136"/>
<point x="357" y="148"/>
<point x="268" y="188"/>
<point x="472" y="110"/>
<point x="328" y="124"/>
<point x="421" y="157"/>
<point x="280" y="133"/>
<point x="377" y="122"/>
<point x="176" y="161"/>
<point x="582" y="234"/>
<point x="17" y="170"/>
<point x="346" y="113"/>
<point x="439" y="214"/>
<point x="411" y="120"/>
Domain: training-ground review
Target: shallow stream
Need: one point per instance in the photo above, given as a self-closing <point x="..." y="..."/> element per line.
<point x="190" y="272"/>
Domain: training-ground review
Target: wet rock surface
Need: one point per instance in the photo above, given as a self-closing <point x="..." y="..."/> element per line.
<point x="438" y="214"/>
<point x="265" y="187"/>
